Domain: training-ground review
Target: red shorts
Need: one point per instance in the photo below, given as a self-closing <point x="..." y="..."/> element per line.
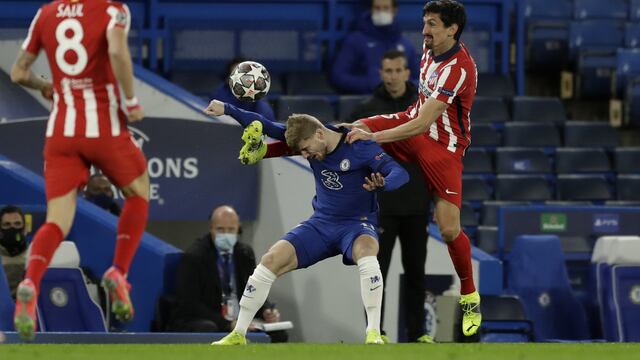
<point x="441" y="169"/>
<point x="67" y="162"/>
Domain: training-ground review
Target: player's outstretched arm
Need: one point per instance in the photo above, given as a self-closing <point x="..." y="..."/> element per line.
<point x="244" y="118"/>
<point x="121" y="64"/>
<point x="21" y="74"/>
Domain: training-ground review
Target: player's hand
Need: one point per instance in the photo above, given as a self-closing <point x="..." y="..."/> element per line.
<point x="135" y="113"/>
<point x="358" y="134"/>
<point x="47" y="91"/>
<point x="374" y="182"/>
<point x="215" y="108"/>
<point x="271" y="315"/>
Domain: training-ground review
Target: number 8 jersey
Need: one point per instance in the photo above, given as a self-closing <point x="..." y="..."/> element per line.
<point x="73" y="33"/>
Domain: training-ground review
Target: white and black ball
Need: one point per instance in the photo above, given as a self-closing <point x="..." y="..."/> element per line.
<point x="249" y="81"/>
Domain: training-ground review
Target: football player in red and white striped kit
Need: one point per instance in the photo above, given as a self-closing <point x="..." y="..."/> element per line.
<point x="435" y="133"/>
<point x="86" y="47"/>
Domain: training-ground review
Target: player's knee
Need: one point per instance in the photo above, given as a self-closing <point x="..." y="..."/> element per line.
<point x="273" y="261"/>
<point x="449" y="233"/>
<point x="365" y="246"/>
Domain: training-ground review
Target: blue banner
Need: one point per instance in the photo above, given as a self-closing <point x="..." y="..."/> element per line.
<point x="193" y="165"/>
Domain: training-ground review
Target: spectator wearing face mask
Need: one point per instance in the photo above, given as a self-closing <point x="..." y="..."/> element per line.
<point x="211" y="278"/>
<point x="356" y="67"/>
<point x="100" y="192"/>
<point x="13" y="245"/>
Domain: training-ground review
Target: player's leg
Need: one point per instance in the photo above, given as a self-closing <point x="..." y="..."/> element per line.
<point x="389" y="226"/>
<point x="413" y="243"/>
<point x="365" y="250"/>
<point x="280" y="259"/>
<point x="459" y="246"/>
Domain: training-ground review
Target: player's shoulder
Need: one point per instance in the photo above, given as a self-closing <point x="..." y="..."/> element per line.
<point x="116" y="4"/>
<point x="366" y="149"/>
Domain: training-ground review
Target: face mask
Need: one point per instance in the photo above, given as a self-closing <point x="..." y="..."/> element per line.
<point x="225" y="242"/>
<point x="102" y="200"/>
<point x="13" y="240"/>
<point x="381" y="18"/>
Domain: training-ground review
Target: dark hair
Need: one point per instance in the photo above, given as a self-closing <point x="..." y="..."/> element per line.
<point x="10" y="209"/>
<point x="394" y="3"/>
<point x="393" y="54"/>
<point x="450" y="11"/>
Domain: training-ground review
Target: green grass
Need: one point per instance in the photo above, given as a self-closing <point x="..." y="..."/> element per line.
<point x="323" y="352"/>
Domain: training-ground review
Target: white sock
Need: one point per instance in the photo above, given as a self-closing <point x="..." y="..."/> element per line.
<point x="371" y="290"/>
<point x="254" y="296"/>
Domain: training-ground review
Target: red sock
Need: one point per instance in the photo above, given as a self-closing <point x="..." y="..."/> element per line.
<point x="44" y="245"/>
<point x="278" y="149"/>
<point x="460" y="253"/>
<point x="131" y="225"/>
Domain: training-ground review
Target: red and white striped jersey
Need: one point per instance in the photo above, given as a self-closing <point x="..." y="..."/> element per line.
<point x="451" y="78"/>
<point x="86" y="99"/>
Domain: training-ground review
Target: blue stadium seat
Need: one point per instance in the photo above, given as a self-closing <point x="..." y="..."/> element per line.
<point x="489" y="109"/>
<point x="627" y="160"/>
<point x="468" y="216"/>
<point x="547" y="33"/>
<point x="628" y="187"/>
<point x="545" y="289"/>
<point x="582" y="160"/>
<point x="583" y="187"/>
<point x="521" y="161"/>
<point x="487" y="238"/>
<point x="627" y="67"/>
<point x="634" y="14"/>
<point x="489" y="212"/>
<point x="598" y="9"/>
<point x="64" y="303"/>
<point x="626" y="297"/>
<point x="632" y="35"/>
<point x="590" y="134"/>
<point x="7" y="306"/>
<point x="485" y="135"/>
<point x="522" y="188"/>
<point x="538" y="109"/>
<point x="595" y="35"/>
<point x="318" y="106"/>
<point x="632" y="103"/>
<point x="475" y="188"/>
<point x="531" y="134"/>
<point x="504" y="320"/>
<point x="308" y="83"/>
<point x="477" y="160"/>
<point x="494" y="85"/>
<point x="346" y="104"/>
<point x="595" y="72"/>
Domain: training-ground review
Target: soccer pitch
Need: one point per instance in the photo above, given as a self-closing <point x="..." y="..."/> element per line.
<point x="324" y="351"/>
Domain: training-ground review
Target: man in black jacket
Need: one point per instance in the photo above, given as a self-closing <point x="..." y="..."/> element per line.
<point x="403" y="212"/>
<point x="211" y="276"/>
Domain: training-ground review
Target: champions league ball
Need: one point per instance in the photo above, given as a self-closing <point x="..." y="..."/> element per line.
<point x="249" y="81"/>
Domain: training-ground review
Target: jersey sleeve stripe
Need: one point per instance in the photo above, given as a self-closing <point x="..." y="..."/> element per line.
<point x="27" y="41"/>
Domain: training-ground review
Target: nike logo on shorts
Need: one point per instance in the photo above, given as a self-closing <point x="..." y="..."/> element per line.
<point x="449" y="192"/>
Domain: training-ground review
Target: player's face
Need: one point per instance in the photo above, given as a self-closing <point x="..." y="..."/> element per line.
<point x="394" y="74"/>
<point x="435" y="33"/>
<point x="313" y="147"/>
<point x="99" y="185"/>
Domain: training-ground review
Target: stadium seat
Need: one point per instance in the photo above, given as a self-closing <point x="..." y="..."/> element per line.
<point x="595" y="72"/>
<point x="628" y="187"/>
<point x="504" y="320"/>
<point x="547" y="31"/>
<point x="626" y="297"/>
<point x="632" y="35"/>
<point x="491" y="208"/>
<point x="634" y="14"/>
<point x="64" y="303"/>
<point x="489" y="109"/>
<point x="627" y="160"/>
<point x="538" y="109"/>
<point x="477" y="160"/>
<point x="487" y="238"/>
<point x="475" y="188"/>
<point x="494" y="85"/>
<point x="597" y="9"/>
<point x="545" y="289"/>
<point x="318" y="106"/>
<point x="522" y="188"/>
<point x="531" y="134"/>
<point x="346" y="104"/>
<point x="590" y="134"/>
<point x="468" y="216"/>
<point x="582" y="160"/>
<point x="632" y="103"/>
<point x="521" y="161"/>
<point x="485" y="135"/>
<point x="596" y="34"/>
<point x="308" y="83"/>
<point x="7" y="305"/>
<point x="627" y="67"/>
<point x="583" y="187"/>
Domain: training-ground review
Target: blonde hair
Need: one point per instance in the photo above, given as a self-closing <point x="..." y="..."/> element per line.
<point x="300" y="127"/>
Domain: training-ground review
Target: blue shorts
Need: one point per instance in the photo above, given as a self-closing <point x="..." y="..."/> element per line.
<point x="320" y="238"/>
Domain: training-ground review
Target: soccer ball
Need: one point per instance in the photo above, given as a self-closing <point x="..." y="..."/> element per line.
<point x="249" y="81"/>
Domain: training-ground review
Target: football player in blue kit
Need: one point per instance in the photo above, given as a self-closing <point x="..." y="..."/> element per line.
<point x="347" y="177"/>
